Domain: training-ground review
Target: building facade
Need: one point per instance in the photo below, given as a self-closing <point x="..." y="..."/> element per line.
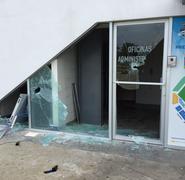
<point x="109" y="69"/>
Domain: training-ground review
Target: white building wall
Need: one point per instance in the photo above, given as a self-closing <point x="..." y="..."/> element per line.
<point x="34" y="31"/>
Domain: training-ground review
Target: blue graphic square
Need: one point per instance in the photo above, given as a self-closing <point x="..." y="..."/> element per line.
<point x="182" y="113"/>
<point x="178" y="108"/>
<point x="181" y="102"/>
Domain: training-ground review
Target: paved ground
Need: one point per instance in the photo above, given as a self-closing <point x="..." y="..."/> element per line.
<point x="87" y="160"/>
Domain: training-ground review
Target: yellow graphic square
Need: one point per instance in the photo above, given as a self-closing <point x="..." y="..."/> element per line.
<point x="175" y="98"/>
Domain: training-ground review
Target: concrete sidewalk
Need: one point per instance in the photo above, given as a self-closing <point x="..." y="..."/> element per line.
<point x="88" y="161"/>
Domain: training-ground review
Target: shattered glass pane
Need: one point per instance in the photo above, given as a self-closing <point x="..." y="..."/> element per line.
<point x="47" y="109"/>
<point x="3" y="120"/>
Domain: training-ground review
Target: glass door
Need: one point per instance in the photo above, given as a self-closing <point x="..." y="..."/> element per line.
<point x="139" y="79"/>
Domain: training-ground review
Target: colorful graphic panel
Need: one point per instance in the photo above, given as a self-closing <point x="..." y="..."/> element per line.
<point x="178" y="96"/>
<point x="176" y="116"/>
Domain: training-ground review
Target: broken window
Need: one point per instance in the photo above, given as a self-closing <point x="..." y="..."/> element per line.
<point x="71" y="95"/>
<point x="47" y="109"/>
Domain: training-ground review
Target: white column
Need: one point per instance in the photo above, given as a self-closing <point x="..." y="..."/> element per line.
<point x="55" y="95"/>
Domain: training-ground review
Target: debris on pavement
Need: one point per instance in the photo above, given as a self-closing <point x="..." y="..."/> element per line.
<point x="53" y="169"/>
<point x="17" y="143"/>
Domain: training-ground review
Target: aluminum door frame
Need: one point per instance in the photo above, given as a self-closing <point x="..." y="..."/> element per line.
<point x="161" y="140"/>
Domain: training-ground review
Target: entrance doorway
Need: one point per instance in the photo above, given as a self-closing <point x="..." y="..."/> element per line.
<point x="139" y="69"/>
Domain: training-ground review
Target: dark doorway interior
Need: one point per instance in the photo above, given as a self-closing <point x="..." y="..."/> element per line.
<point x="92" y="83"/>
<point x="7" y="106"/>
<point x="93" y="77"/>
<point x="139" y="72"/>
<point x="138" y="106"/>
<point x="136" y="116"/>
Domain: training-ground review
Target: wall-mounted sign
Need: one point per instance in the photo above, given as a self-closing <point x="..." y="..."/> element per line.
<point x="176" y="131"/>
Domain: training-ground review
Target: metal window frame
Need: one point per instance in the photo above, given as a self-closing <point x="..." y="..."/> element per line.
<point x="110" y="109"/>
<point x="29" y="103"/>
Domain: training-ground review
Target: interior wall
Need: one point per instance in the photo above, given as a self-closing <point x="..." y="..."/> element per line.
<point x="90" y="78"/>
<point x="147" y="95"/>
<point x="67" y="75"/>
<point x="82" y="64"/>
